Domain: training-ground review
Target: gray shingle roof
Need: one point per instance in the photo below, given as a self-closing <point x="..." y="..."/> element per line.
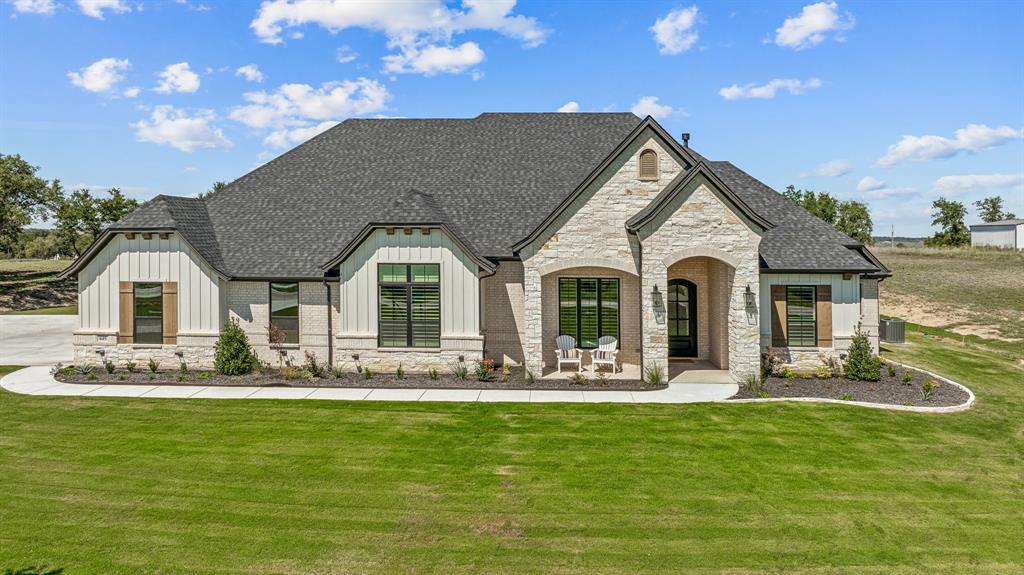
<point x="1016" y="222"/>
<point x="491" y="179"/>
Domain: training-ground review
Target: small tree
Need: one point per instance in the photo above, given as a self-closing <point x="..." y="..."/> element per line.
<point x="234" y="355"/>
<point x="991" y="210"/>
<point x="949" y="216"/>
<point x="855" y="221"/>
<point x="861" y="364"/>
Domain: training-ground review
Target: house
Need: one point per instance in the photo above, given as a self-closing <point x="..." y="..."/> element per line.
<point x="423" y="242"/>
<point x="1008" y="234"/>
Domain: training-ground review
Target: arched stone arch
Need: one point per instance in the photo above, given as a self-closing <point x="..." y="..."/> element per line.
<point x="565" y="263"/>
<point x="697" y="251"/>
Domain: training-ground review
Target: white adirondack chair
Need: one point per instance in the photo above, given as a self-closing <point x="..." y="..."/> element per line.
<point x="605" y="354"/>
<point x="567" y="352"/>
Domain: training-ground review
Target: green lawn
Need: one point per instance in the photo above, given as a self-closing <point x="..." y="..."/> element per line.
<point x="95" y="485"/>
<point x="63" y="310"/>
<point x="31" y="286"/>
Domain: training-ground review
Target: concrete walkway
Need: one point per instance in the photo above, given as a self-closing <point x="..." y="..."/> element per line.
<point x="36" y="339"/>
<point x="38" y="381"/>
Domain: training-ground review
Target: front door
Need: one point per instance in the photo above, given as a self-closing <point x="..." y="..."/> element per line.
<point x="682" y="319"/>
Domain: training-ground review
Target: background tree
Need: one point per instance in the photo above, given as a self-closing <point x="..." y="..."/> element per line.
<point x="855" y="221"/>
<point x="949" y="216"/>
<point x="23" y="197"/>
<point x="81" y="217"/>
<point x="991" y="210"/>
<point x="851" y="218"/>
<point x="217" y="186"/>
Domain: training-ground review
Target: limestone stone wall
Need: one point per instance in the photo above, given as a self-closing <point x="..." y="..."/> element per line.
<point x="354" y="353"/>
<point x="93" y="349"/>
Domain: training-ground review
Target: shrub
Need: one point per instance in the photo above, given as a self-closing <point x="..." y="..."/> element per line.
<point x="338" y="372"/>
<point x="823" y="372"/>
<point x="152" y="376"/>
<point x="292" y="373"/>
<point x="928" y="389"/>
<point x="91" y="376"/>
<point x="120" y="377"/>
<point x="654" y="374"/>
<point x="312" y="366"/>
<point x="602" y="377"/>
<point x="183" y="367"/>
<point x="762" y="394"/>
<point x="203" y="375"/>
<point x="786" y="373"/>
<point x="485" y="369"/>
<point x="367" y="374"/>
<point x="753" y="383"/>
<point x="531" y="378"/>
<point x="806" y="375"/>
<point x="459" y="370"/>
<point x="847" y="397"/>
<point x="108" y="365"/>
<point x="907" y="377"/>
<point x="860" y="364"/>
<point x="892" y="369"/>
<point x="234" y="355"/>
<point x="400" y="373"/>
<point x="433" y="374"/>
<point x="180" y="376"/>
<point x="579" y="379"/>
<point x="506" y="371"/>
<point x="153" y="365"/>
<point x="84" y="369"/>
<point x="130" y="366"/>
<point x="770" y="362"/>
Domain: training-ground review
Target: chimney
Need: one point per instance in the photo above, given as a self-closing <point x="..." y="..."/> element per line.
<point x="686" y="139"/>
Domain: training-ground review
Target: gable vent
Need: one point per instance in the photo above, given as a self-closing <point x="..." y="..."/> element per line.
<point x="648" y="165"/>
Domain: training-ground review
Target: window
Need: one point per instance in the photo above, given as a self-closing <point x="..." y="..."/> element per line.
<point x="648" y="165"/>
<point x="588" y="308"/>
<point x="409" y="301"/>
<point x="801" y="324"/>
<point x="284" y="310"/>
<point x="149" y="316"/>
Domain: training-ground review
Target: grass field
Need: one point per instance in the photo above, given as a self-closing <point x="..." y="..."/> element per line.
<point x="98" y="485"/>
<point x="968" y="291"/>
<point x="30" y="285"/>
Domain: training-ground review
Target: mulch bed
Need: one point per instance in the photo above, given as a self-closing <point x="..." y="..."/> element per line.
<point x="274" y="378"/>
<point x="890" y="390"/>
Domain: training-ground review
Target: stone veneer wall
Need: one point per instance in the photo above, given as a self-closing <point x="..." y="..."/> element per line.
<point x="502" y="309"/>
<point x="703" y="225"/>
<point x="94" y="349"/>
<point x="629" y="312"/>
<point x="591" y="233"/>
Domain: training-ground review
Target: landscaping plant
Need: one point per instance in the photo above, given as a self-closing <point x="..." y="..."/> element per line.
<point x="753" y="383"/>
<point x="153" y="365"/>
<point x="860" y="364"/>
<point x="770" y="362"/>
<point x="579" y="379"/>
<point x="928" y="389"/>
<point x="130" y="366"/>
<point x="314" y="368"/>
<point x="233" y="355"/>
<point x="654" y="374"/>
<point x="109" y="366"/>
<point x="459" y="370"/>
<point x="485" y="369"/>
<point x="400" y="373"/>
<point x="367" y="374"/>
<point x="433" y="374"/>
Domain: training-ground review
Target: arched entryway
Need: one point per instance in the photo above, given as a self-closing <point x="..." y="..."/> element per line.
<point x="682" y="319"/>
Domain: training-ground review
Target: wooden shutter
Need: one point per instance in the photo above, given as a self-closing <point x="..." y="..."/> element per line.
<point x="648" y="165"/>
<point x="823" y="314"/>
<point x="170" y="313"/>
<point x="778" y="316"/>
<point x="126" y="312"/>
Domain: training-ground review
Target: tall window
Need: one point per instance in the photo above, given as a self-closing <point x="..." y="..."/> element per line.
<point x="588" y="308"/>
<point x="801" y="324"/>
<point x="409" y="301"/>
<point x="149" y="313"/>
<point x="284" y="310"/>
<point x="648" y="165"/>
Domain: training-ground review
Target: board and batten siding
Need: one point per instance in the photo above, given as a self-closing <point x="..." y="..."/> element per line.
<point x="460" y="285"/>
<point x="200" y="302"/>
<point x="845" y="300"/>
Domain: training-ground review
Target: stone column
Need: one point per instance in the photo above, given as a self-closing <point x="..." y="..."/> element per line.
<point x="533" y="357"/>
<point x="654" y="338"/>
<point x="744" y="323"/>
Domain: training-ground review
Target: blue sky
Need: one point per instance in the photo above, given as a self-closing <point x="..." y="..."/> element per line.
<point x="894" y="104"/>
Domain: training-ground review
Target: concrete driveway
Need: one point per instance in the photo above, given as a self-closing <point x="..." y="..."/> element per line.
<point x="36" y="339"/>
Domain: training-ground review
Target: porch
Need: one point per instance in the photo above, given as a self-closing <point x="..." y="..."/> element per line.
<point x="679" y="371"/>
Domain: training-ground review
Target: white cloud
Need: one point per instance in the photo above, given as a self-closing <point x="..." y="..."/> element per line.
<point x="345" y="54"/>
<point x="178" y="78"/>
<point x="171" y="126"/>
<point x="830" y="169"/>
<point x="569" y="107"/>
<point x="100" y="76"/>
<point x="674" y="31"/>
<point x="869" y="184"/>
<point x="297" y="112"/>
<point x="95" y="8"/>
<point x="251" y="72"/>
<point x="432" y="60"/>
<point x="649" y="106"/>
<point x="46" y="7"/>
<point x="972" y="138"/>
<point x="131" y="92"/>
<point x="952" y="185"/>
<point x="421" y="30"/>
<point x="286" y="138"/>
<point x="767" y="91"/>
<point x="813" y="26"/>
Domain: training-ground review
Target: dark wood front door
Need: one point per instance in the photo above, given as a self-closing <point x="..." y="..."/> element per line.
<point x="682" y="319"/>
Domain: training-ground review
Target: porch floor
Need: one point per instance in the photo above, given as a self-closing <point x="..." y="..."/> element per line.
<point x="678" y="372"/>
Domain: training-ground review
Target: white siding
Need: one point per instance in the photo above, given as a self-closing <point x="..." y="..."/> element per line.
<point x="845" y="300"/>
<point x="1008" y="236"/>
<point x="460" y="293"/>
<point x="152" y="260"/>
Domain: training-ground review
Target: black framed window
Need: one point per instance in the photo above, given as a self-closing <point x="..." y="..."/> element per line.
<point x="149" y="313"/>
<point x="801" y="319"/>
<point x="284" y="310"/>
<point x="588" y="309"/>
<point x="409" y="305"/>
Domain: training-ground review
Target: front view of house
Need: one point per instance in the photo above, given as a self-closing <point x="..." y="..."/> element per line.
<point x="428" y="242"/>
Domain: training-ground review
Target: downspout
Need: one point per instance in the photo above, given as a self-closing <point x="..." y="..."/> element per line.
<point x="330" y="328"/>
